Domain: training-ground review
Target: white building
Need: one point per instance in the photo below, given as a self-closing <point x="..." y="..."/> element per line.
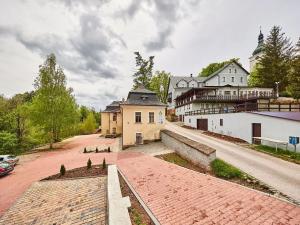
<point x="245" y="125"/>
<point x="232" y="74"/>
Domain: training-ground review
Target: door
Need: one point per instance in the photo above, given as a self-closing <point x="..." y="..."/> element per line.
<point x="202" y="124"/>
<point x="139" y="139"/>
<point x="256" y="132"/>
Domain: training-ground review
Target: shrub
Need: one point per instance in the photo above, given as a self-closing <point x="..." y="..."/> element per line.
<point x="62" y="170"/>
<point x="108" y="149"/>
<point x="89" y="164"/>
<point x="97" y="150"/>
<point x="224" y="170"/>
<point x="84" y="151"/>
<point x="104" y="164"/>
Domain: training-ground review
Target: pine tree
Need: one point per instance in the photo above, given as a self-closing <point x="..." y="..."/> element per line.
<point x="275" y="64"/>
<point x="89" y="164"/>
<point x="143" y="74"/>
<point x="294" y="76"/>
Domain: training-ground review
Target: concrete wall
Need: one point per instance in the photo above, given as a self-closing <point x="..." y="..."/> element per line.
<point x="193" y="151"/>
<point x="240" y="125"/>
<point x="150" y="131"/>
<point x="107" y="123"/>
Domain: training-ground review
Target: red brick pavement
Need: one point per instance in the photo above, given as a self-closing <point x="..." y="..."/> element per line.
<point x="174" y="194"/>
<point x="178" y="196"/>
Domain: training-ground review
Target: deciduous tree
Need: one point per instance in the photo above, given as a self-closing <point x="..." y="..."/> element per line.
<point x="159" y="84"/>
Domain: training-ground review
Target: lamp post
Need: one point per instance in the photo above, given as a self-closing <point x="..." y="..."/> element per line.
<point x="277" y="89"/>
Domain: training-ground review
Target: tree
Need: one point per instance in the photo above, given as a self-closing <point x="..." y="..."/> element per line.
<point x="294" y="75"/>
<point x="144" y="71"/>
<point x="213" y="67"/>
<point x="275" y="63"/>
<point x="8" y="143"/>
<point x="159" y="84"/>
<point x="53" y="107"/>
<point x="89" y="125"/>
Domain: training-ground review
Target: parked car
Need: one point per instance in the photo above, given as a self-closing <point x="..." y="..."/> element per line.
<point x="11" y="159"/>
<point x="5" y="168"/>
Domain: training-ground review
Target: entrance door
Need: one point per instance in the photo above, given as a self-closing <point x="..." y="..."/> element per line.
<point x="202" y="124"/>
<point x="256" y="132"/>
<point x="139" y="139"/>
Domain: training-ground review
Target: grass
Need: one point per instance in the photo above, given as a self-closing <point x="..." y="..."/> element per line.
<point x="224" y="170"/>
<point x="137" y="217"/>
<point x="281" y="153"/>
<point x="176" y="159"/>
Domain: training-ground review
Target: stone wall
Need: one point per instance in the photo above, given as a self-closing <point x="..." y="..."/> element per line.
<point x="193" y="151"/>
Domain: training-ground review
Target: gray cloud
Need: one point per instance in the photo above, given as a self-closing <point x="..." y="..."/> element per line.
<point x="166" y="14"/>
<point x="85" y="53"/>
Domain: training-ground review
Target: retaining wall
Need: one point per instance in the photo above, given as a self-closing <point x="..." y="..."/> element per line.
<point x="193" y="151"/>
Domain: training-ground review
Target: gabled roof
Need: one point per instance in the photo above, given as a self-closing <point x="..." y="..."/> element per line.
<point x="224" y="67"/>
<point x="142" y="96"/>
<point x="113" y="107"/>
<point x="175" y="80"/>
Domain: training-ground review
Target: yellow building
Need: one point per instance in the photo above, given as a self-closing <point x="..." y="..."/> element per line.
<point x="143" y="116"/>
<point x="111" y="119"/>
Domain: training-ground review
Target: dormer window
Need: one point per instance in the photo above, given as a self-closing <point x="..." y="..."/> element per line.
<point x="144" y="97"/>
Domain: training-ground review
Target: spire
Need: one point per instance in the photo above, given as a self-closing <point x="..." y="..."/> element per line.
<point x="260" y="36"/>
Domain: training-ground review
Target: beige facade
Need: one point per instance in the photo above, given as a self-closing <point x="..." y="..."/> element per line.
<point x="111" y="123"/>
<point x="144" y="131"/>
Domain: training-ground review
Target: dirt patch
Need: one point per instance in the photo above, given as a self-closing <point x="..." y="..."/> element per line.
<point x="224" y="137"/>
<point x="138" y="215"/>
<point x="95" y="170"/>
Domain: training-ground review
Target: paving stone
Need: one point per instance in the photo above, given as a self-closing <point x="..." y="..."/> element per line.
<point x="73" y="201"/>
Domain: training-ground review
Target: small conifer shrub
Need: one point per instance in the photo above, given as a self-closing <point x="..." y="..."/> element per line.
<point x="104" y="164"/>
<point x="89" y="164"/>
<point x="62" y="170"/>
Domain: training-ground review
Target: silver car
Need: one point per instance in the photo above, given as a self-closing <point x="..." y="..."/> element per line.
<point x="11" y="159"/>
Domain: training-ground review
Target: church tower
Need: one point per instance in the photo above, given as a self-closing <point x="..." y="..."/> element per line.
<point x="258" y="52"/>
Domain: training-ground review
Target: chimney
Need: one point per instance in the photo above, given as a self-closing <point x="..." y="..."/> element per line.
<point x="191" y="75"/>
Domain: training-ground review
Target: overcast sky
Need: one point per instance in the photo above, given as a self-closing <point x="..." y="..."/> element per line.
<point x="94" y="40"/>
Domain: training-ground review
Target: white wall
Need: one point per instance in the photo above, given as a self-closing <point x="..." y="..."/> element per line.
<point x="230" y="71"/>
<point x="240" y="125"/>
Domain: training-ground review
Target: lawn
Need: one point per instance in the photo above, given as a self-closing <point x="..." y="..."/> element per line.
<point x="280" y="153"/>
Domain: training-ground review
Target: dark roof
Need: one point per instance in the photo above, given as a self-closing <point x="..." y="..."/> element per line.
<point x="283" y="115"/>
<point x="224" y="67"/>
<point x="113" y="107"/>
<point x="142" y="96"/>
<point x="174" y="80"/>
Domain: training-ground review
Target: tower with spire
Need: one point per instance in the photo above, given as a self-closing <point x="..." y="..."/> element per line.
<point x="258" y="52"/>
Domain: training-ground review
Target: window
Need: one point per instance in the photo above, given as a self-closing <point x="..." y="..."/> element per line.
<point x="221" y="122"/>
<point x="189" y="120"/>
<point x="223" y="79"/>
<point x="235" y="71"/>
<point x="151" y="117"/>
<point x="114" y="130"/>
<point x="241" y="79"/>
<point x="138" y="117"/>
<point x="232" y="79"/>
<point x="234" y="92"/>
<point x="115" y="117"/>
<point x="227" y="93"/>
<point x="229" y="70"/>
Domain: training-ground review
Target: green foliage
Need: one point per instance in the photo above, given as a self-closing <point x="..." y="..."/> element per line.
<point x="89" y="164"/>
<point x="53" y="107"/>
<point x="176" y="159"/>
<point x="274" y="65"/>
<point x="143" y="74"/>
<point x="104" y="164"/>
<point x="213" y="67"/>
<point x="62" y="170"/>
<point x="159" y="84"/>
<point x="224" y="170"/>
<point x="89" y="125"/>
<point x="294" y="75"/>
<point x="8" y="143"/>
<point x="281" y="153"/>
<point x="137" y="218"/>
